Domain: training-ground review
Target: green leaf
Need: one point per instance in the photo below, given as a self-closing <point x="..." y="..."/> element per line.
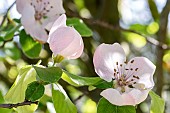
<point x="16" y="94"/>
<point x="80" y="26"/>
<point x="157" y="103"/>
<point x="10" y="33"/>
<point x="62" y="103"/>
<point x="2" y="101"/>
<point x="17" y="20"/>
<point x="78" y="80"/>
<point x="34" y="91"/>
<point x="105" y="106"/>
<point x="139" y="28"/>
<point x="12" y="51"/>
<point x="49" y="74"/>
<point x="30" y="47"/>
<point x="104" y="84"/>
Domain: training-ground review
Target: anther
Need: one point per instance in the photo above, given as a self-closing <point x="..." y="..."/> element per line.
<point x="130" y="86"/>
<point x="135" y="77"/>
<point x="126" y="69"/>
<point x="136" y="69"/>
<point x="114" y="70"/>
<point x="132" y="61"/>
<point x="131" y="69"/>
<point x="116" y="63"/>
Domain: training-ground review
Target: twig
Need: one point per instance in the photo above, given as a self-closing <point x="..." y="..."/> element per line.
<point x="18" y="104"/>
<point x="112" y="27"/>
<point x="5" y="16"/>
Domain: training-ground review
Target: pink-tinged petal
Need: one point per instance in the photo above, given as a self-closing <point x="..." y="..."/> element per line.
<point x="145" y="71"/>
<point x="105" y="59"/>
<point x="48" y="23"/>
<point x="133" y="97"/>
<point x="66" y="41"/>
<point x="20" y="5"/>
<point x="31" y="26"/>
<point x="60" y="22"/>
<point x="56" y="8"/>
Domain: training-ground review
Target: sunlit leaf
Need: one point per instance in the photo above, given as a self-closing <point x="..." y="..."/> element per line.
<point x="30" y="47"/>
<point x="12" y="51"/>
<point x="2" y="101"/>
<point x="49" y="74"/>
<point x="153" y="27"/>
<point x="157" y="103"/>
<point x="139" y="28"/>
<point x="80" y="26"/>
<point x="105" y="106"/>
<point x="137" y="40"/>
<point x="16" y="94"/>
<point x="78" y="80"/>
<point x="62" y="103"/>
<point x="34" y="91"/>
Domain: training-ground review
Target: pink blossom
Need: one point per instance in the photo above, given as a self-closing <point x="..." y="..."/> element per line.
<point x="38" y="16"/>
<point x="132" y="80"/>
<point x="64" y="40"/>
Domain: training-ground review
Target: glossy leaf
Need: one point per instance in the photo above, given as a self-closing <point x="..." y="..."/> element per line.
<point x="30" y="47"/>
<point x="10" y="33"/>
<point x="157" y="103"/>
<point x="62" y="103"/>
<point x="105" y="106"/>
<point x="49" y="74"/>
<point x="78" y="80"/>
<point x="80" y="26"/>
<point x="34" y="91"/>
<point x="16" y="93"/>
<point x="104" y="84"/>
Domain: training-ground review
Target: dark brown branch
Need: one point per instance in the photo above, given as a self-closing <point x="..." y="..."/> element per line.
<point x="112" y="27"/>
<point x="18" y="104"/>
<point x="162" y="35"/>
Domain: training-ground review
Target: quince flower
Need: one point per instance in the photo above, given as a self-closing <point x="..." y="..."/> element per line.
<point x="132" y="80"/>
<point x="38" y="16"/>
<point x="65" y="41"/>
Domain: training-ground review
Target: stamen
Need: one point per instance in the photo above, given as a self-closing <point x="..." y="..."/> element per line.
<point x="130" y="86"/>
<point x="136" y="69"/>
<point x="132" y="61"/>
<point x="116" y="63"/>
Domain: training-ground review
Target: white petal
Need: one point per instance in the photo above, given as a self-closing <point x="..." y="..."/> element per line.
<point x="60" y="22"/>
<point x="31" y="26"/>
<point x="57" y="8"/>
<point x="66" y="41"/>
<point x="133" y="97"/>
<point x="145" y="71"/>
<point x="20" y="5"/>
<point x="105" y="58"/>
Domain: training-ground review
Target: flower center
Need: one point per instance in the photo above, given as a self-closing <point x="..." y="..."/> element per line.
<point x="125" y="76"/>
<point x="42" y="8"/>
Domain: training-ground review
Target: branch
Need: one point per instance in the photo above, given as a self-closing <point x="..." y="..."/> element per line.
<point x="18" y="104"/>
<point x="112" y="27"/>
<point x="5" y="16"/>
